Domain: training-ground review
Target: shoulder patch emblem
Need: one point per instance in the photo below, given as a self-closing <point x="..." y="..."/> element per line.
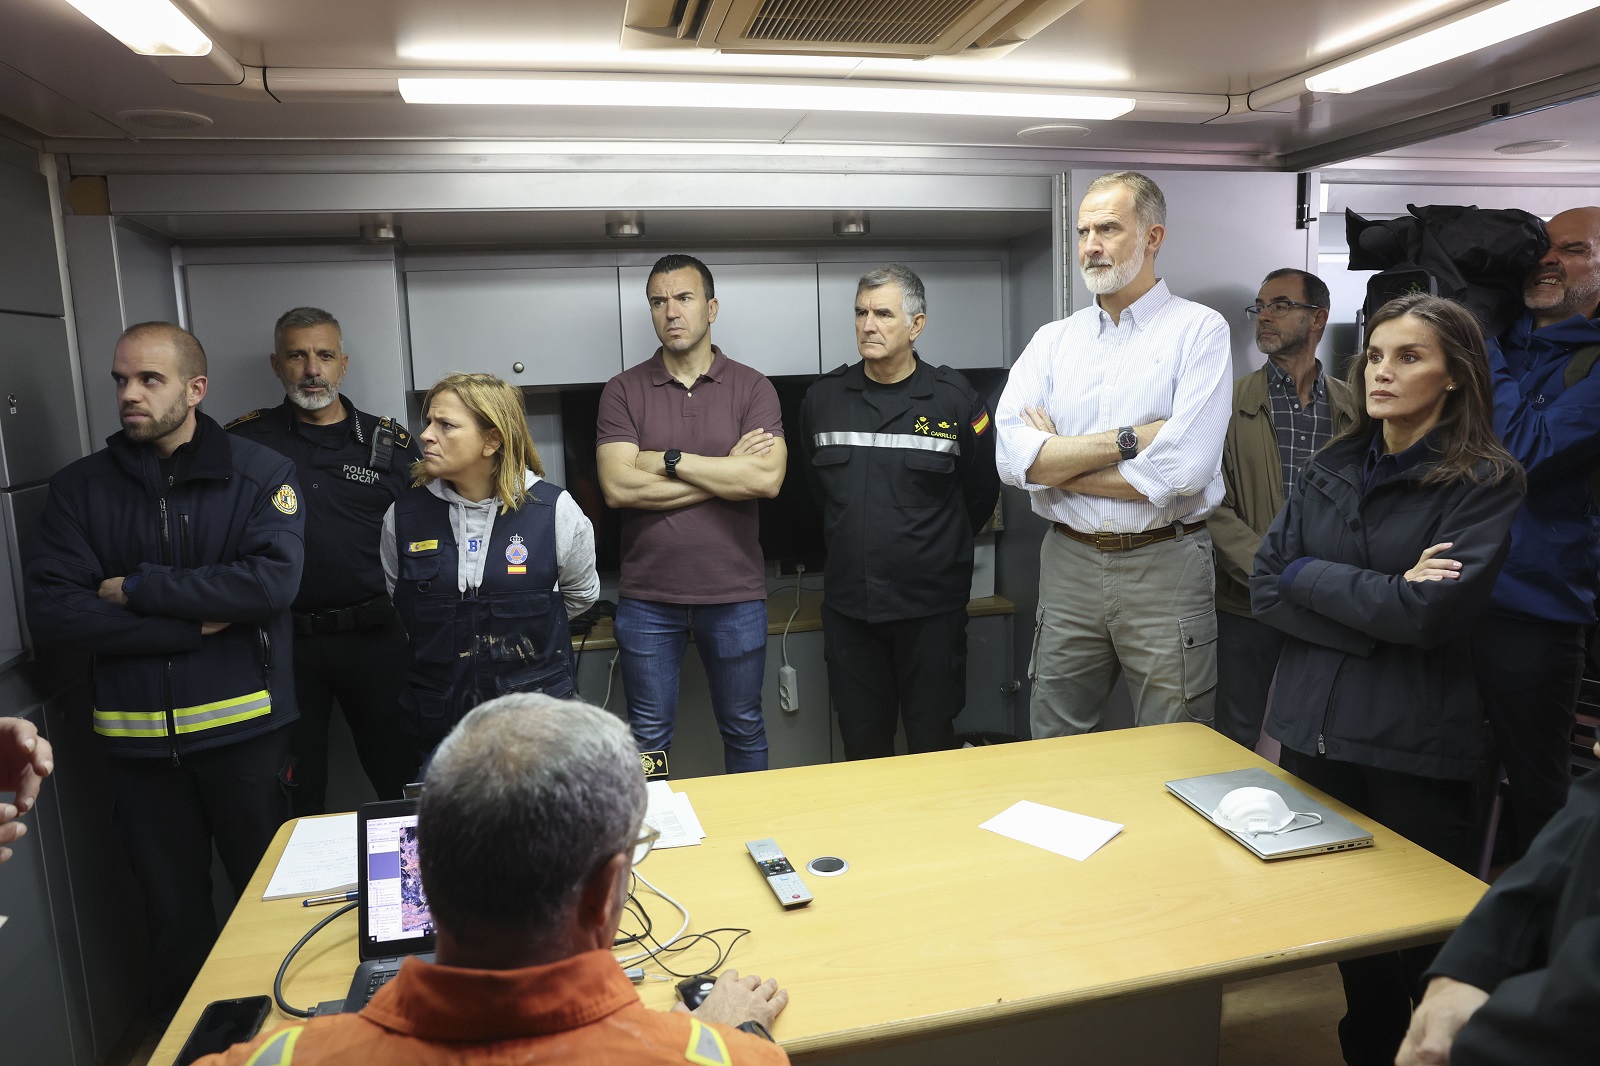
<point x="285" y="500"/>
<point x="980" y="425"/>
<point x="248" y="416"/>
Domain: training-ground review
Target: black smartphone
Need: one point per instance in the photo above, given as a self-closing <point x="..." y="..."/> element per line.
<point x="224" y="1023"/>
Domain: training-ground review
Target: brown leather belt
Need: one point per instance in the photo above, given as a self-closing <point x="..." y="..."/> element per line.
<point x="1127" y="542"/>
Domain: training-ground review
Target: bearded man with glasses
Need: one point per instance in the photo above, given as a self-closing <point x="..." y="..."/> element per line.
<point x="1282" y="413"/>
<point x="530" y="823"/>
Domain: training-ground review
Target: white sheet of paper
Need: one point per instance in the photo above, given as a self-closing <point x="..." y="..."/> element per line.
<point x="320" y="857"/>
<point x="1077" y="836"/>
<point x="686" y="815"/>
<point x="672" y="815"/>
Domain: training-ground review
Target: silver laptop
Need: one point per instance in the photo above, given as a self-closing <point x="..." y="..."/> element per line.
<point x="394" y="916"/>
<point x="1304" y="836"/>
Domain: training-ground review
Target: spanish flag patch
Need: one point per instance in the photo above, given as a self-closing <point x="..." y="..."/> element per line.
<point x="981" y="423"/>
<point x="516" y="569"/>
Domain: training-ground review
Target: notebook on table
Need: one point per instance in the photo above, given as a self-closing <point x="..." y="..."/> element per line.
<point x="1304" y="836"/>
<point x="393" y="910"/>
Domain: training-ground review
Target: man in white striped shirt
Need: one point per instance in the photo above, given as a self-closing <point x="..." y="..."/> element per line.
<point x="1113" y="420"/>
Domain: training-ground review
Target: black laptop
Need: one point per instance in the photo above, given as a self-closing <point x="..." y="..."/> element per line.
<point x="395" y="922"/>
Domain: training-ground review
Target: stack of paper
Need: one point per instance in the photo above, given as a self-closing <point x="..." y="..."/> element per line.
<point x="320" y="857"/>
<point x="672" y="815"/>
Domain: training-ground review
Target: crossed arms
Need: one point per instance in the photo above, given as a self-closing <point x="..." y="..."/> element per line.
<point x="752" y="469"/>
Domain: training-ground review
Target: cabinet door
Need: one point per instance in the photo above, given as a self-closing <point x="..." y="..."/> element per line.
<point x="30" y="280"/>
<point x="966" y="309"/>
<point x="233" y="307"/>
<point x="38" y="421"/>
<point x="766" y="316"/>
<point x="559" y="324"/>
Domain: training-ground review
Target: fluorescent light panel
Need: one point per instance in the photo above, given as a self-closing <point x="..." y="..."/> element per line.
<point x="559" y="92"/>
<point x="1479" y="30"/>
<point x="149" y="27"/>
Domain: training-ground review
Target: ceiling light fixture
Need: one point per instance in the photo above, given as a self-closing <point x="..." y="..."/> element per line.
<point x="149" y="27"/>
<point x="761" y="95"/>
<point x="624" y="225"/>
<point x="1483" y="26"/>
<point x="379" y="229"/>
<point x="851" y="224"/>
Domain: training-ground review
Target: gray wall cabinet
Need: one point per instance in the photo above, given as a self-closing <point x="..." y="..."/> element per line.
<point x="559" y="325"/>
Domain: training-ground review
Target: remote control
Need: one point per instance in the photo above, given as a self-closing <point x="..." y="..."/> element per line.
<point x="786" y="884"/>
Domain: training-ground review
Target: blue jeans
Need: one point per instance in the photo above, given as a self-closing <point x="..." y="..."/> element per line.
<point x="732" y="638"/>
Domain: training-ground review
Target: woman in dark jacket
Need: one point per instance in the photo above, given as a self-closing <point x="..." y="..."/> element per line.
<point x="1382" y="558"/>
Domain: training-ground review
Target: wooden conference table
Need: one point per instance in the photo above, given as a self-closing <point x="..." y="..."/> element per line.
<point x="947" y="943"/>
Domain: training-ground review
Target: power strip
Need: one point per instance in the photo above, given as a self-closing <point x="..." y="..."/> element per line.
<point x="788" y="689"/>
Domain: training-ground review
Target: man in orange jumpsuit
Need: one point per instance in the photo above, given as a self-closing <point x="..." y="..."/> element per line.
<point x="530" y="823"/>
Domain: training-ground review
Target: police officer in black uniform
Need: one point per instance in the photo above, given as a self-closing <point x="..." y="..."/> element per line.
<point x="901" y="457"/>
<point x="347" y="643"/>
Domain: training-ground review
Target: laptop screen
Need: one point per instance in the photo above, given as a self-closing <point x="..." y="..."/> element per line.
<point x="394" y="918"/>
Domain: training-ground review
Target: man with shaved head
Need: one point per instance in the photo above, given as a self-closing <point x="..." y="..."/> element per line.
<point x="1529" y="646"/>
<point x="172" y="555"/>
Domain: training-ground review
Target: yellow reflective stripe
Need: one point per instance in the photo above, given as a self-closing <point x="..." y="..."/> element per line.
<point x="278" y="1050"/>
<point x="213" y="723"/>
<point x="705" y="1046"/>
<point x="185" y="719"/>
<point x="130" y="723"/>
<point x="222" y="712"/>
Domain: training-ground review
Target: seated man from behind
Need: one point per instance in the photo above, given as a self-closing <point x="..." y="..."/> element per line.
<point x="530" y="820"/>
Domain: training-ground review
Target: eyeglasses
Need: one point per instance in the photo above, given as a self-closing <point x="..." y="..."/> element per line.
<point x="1278" y="307"/>
<point x="648" y="835"/>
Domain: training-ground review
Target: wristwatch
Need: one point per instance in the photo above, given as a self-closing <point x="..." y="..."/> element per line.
<point x="671" y="459"/>
<point x="1127" y="442"/>
<point x="755" y="1028"/>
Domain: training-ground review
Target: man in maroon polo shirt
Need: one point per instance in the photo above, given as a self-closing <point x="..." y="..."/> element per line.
<point x="686" y="443"/>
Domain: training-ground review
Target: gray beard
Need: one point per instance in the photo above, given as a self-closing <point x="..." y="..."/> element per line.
<point x="312" y="403"/>
<point x="1105" y="281"/>
<point x="1574" y="300"/>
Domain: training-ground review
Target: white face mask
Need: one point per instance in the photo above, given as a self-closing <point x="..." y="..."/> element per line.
<point x="1257" y="811"/>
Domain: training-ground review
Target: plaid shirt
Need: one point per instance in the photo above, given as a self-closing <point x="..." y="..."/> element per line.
<point x="1301" y="431"/>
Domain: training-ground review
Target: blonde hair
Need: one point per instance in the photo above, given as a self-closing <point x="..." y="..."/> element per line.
<point x="497" y="406"/>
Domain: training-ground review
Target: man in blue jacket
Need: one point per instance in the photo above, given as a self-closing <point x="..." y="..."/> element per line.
<point x="172" y="555"/>
<point x="1528" y="648"/>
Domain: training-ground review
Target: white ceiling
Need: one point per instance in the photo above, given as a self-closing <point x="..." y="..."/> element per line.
<point x="65" y="80"/>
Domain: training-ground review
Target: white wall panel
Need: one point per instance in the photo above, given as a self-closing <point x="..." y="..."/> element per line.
<point x="233" y="306"/>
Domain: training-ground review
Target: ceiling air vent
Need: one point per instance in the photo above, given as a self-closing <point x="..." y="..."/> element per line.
<point x="164" y="119"/>
<point x="902" y="29"/>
